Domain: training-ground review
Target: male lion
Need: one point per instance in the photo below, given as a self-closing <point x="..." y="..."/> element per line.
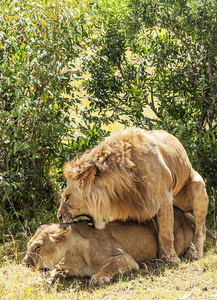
<point x="78" y="249"/>
<point x="137" y="174"/>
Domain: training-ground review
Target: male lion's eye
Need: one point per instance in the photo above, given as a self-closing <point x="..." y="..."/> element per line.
<point x="67" y="199"/>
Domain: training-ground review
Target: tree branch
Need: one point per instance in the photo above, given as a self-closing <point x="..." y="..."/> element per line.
<point x="185" y="45"/>
<point x="211" y="81"/>
<point x="197" y="84"/>
<point x="114" y="105"/>
<point x="180" y="38"/>
<point x="119" y="99"/>
<point x="122" y="74"/>
<point x="152" y="104"/>
<point x="211" y="107"/>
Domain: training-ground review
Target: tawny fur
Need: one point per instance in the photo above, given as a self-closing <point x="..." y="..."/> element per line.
<point x="81" y="250"/>
<point x="136" y="174"/>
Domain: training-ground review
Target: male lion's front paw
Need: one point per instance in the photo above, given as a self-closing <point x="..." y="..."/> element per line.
<point x="172" y="259"/>
<point x="99" y="279"/>
<point x="192" y="253"/>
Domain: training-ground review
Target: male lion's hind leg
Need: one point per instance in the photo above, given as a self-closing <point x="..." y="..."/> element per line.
<point x="119" y="264"/>
<point x="194" y="197"/>
<point x="165" y="218"/>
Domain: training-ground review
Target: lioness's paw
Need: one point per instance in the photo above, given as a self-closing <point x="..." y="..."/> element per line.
<point x="99" y="280"/>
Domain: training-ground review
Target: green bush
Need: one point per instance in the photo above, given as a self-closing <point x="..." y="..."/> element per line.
<point x="155" y="62"/>
<point x="156" y="55"/>
<point x="40" y="41"/>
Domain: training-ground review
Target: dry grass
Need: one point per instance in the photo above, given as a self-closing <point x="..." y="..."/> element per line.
<point x="188" y="280"/>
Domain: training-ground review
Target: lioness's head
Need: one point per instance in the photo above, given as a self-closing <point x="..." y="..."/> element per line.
<point x="44" y="249"/>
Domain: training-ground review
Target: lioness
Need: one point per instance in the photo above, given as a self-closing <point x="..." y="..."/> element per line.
<point x="80" y="250"/>
<point x="137" y="174"/>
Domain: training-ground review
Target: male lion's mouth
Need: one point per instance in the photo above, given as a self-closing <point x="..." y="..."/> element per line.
<point x="85" y="217"/>
<point x="81" y="218"/>
<point x="69" y="219"/>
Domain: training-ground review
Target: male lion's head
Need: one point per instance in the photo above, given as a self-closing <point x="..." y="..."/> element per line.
<point x="44" y="249"/>
<point x="101" y="184"/>
<point x="73" y="202"/>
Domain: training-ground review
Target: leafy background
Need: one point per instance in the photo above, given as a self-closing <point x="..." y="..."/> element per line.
<point x="72" y="71"/>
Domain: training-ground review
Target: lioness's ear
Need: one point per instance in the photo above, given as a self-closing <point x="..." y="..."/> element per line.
<point x="60" y="234"/>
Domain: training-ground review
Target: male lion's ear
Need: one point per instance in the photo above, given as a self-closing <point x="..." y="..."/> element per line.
<point x="84" y="173"/>
<point x="67" y="170"/>
<point x="60" y="234"/>
<point x="88" y="174"/>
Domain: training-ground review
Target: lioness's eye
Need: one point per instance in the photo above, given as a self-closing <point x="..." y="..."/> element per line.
<point x="37" y="248"/>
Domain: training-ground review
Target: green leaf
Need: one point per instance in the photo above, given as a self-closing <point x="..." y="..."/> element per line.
<point x="17" y="146"/>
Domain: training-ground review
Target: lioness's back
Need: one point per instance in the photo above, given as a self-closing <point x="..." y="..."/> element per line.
<point x="135" y="237"/>
<point x="129" y="235"/>
<point x="140" y="240"/>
